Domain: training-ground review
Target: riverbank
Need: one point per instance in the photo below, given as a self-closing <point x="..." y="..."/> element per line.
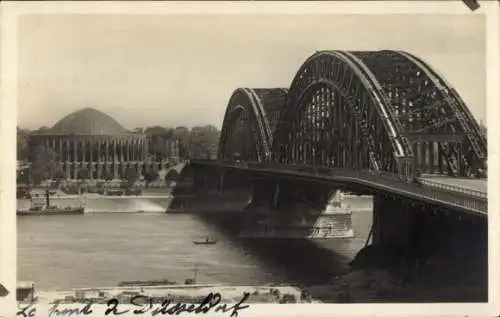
<point x="382" y="275"/>
<point x="57" y="193"/>
<point x="182" y="293"/>
<point x="370" y="286"/>
<point x="113" y="204"/>
<point x="442" y="280"/>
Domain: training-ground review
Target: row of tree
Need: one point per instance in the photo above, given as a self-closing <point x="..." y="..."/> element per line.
<point x="130" y="177"/>
<point x="198" y="142"/>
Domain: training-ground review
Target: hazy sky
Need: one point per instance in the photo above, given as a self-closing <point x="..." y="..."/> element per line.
<point x="174" y="70"/>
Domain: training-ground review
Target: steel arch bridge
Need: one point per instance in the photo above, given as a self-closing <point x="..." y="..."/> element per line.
<point x="387" y="111"/>
<point x="251" y="118"/>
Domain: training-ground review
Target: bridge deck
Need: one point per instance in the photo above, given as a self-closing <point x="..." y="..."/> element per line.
<point x="480" y="185"/>
<point x="466" y="194"/>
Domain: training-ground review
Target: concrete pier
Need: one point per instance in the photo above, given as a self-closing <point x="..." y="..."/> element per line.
<point x="299" y="221"/>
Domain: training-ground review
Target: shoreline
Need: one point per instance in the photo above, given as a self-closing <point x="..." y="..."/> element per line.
<point x="162" y="201"/>
<point x="184" y="292"/>
<point x="96" y="196"/>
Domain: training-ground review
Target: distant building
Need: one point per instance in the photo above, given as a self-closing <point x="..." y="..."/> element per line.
<point x="91" y="139"/>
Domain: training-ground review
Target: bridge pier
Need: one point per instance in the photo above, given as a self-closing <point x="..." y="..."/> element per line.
<point x="287" y="209"/>
<point x="263" y="192"/>
<point x="391" y="221"/>
<point x="221" y="181"/>
<point x="419" y="232"/>
<point x="212" y="190"/>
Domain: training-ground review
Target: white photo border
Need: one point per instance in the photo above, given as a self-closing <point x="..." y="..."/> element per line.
<point x="10" y="12"/>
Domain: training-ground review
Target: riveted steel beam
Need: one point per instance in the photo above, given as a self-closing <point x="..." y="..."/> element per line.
<point x="372" y="110"/>
<point x="249" y="122"/>
<point x="430" y="137"/>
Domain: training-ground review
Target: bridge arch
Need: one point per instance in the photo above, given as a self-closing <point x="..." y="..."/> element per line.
<point x="384" y="110"/>
<point x="249" y="123"/>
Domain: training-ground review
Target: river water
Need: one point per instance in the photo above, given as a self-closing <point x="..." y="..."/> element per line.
<point x="103" y="249"/>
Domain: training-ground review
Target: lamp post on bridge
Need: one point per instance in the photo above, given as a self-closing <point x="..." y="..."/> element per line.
<point x="407" y="167"/>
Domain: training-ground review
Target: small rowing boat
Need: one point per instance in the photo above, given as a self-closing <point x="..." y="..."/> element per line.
<point x="206" y="241"/>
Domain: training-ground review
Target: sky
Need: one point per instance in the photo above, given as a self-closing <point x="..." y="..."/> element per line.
<point x="173" y="70"/>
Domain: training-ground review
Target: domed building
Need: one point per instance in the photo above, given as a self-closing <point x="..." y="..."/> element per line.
<point x="91" y="139"/>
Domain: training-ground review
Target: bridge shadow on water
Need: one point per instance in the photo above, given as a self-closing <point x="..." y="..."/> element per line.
<point x="323" y="269"/>
<point x="454" y="270"/>
<point x="296" y="261"/>
<point x="292" y="261"/>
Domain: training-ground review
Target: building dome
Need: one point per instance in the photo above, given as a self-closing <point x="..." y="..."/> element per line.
<point x="88" y="121"/>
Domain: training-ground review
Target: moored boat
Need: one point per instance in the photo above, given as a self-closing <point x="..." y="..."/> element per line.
<point x="52" y="211"/>
<point x="41" y="207"/>
<point x="146" y="283"/>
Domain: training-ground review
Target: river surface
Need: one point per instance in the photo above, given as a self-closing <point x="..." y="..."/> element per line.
<point x="103" y="249"/>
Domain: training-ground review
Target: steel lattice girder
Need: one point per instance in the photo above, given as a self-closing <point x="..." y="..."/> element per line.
<point x="249" y="123"/>
<point x="376" y="110"/>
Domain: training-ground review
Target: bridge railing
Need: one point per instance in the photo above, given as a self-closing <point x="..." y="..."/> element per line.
<point x="466" y="198"/>
<point x="453" y="188"/>
<point x="445" y="194"/>
<point x="469" y="199"/>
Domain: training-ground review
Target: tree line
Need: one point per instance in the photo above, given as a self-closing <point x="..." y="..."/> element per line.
<point x="197" y="142"/>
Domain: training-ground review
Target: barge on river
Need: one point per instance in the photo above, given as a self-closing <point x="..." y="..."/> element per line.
<point x="42" y="207"/>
